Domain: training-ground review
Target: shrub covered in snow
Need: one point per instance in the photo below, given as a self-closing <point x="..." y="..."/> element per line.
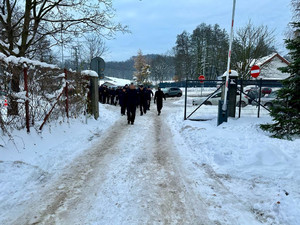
<point x="47" y="93"/>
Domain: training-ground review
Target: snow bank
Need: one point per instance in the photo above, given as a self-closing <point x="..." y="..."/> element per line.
<point x="35" y="158"/>
<point x="58" y="143"/>
<point x="264" y="173"/>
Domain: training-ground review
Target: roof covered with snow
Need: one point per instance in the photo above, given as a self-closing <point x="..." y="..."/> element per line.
<point x="270" y="65"/>
<point x="265" y="60"/>
<point x="114" y="81"/>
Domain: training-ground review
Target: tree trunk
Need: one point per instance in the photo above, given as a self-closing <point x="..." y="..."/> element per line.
<point x="15" y="87"/>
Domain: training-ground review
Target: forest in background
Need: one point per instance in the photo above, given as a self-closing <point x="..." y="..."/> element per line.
<point x="204" y="51"/>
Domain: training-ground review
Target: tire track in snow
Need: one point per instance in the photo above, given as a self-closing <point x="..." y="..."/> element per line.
<point x="172" y="200"/>
<point x="65" y="192"/>
<point x="151" y="174"/>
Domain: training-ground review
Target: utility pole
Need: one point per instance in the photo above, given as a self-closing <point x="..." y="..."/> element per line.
<point x="204" y="56"/>
<point x="224" y="107"/>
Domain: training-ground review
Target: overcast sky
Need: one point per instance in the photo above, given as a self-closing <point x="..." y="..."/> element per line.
<point x="154" y="24"/>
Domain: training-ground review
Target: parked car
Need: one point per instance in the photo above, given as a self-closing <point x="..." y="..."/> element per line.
<point x="266" y="91"/>
<point x="252" y="94"/>
<point x="172" y="92"/>
<point x="267" y="100"/>
<point x="214" y="100"/>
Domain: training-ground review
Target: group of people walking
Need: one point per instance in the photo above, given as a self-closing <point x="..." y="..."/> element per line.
<point x="107" y="95"/>
<point x="131" y="98"/>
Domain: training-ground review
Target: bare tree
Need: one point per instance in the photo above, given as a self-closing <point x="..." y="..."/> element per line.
<point x="41" y="51"/>
<point x="95" y="47"/>
<point x="250" y="44"/>
<point x="27" y="22"/>
<point x="162" y="68"/>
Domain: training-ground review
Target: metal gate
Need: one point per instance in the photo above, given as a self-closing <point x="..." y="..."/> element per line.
<point x="243" y="87"/>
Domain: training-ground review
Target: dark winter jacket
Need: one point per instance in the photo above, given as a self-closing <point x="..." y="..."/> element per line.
<point x="105" y="91"/>
<point x="131" y="97"/>
<point x="158" y="98"/>
<point x="122" y="98"/>
<point x="149" y="94"/>
<point x="142" y="96"/>
<point x="112" y="92"/>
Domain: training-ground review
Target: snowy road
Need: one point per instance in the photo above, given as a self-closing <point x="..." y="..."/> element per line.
<point x="133" y="171"/>
<point x="160" y="171"/>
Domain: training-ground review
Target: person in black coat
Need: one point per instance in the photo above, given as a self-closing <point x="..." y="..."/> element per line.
<point x="131" y="100"/>
<point x="119" y="92"/>
<point x="105" y="94"/>
<point x="112" y="94"/>
<point x="101" y="94"/>
<point x="122" y="100"/>
<point x="142" y="99"/>
<point x="149" y="94"/>
<point x="158" y="98"/>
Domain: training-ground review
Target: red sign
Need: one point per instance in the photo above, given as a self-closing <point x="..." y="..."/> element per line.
<point x="201" y="78"/>
<point x="255" y="71"/>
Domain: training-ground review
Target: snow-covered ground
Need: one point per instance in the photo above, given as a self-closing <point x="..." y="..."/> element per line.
<point x="243" y="167"/>
<point x="32" y="160"/>
<point x="162" y="170"/>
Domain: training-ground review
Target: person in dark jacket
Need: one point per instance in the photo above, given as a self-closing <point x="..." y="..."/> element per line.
<point x="149" y="94"/>
<point x="118" y="93"/>
<point x="142" y="99"/>
<point x="101" y="93"/>
<point x="105" y="94"/>
<point x="158" y="98"/>
<point x="122" y="100"/>
<point x="112" y="94"/>
<point x="132" y="100"/>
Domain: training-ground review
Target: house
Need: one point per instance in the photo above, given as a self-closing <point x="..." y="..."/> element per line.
<point x="269" y="67"/>
<point x="114" y="82"/>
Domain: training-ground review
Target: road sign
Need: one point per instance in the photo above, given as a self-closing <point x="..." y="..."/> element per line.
<point x="98" y="65"/>
<point x="255" y="71"/>
<point x="201" y="78"/>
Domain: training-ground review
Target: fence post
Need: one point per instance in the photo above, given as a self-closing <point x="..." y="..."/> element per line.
<point x="26" y="100"/>
<point x="94" y="89"/>
<point x="185" y="98"/>
<point x="259" y="97"/>
<point x="66" y="92"/>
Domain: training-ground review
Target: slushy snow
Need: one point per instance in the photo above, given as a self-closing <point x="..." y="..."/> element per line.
<point x="162" y="170"/>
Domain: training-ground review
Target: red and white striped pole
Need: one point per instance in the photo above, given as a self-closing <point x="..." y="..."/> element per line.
<point x="224" y="107"/>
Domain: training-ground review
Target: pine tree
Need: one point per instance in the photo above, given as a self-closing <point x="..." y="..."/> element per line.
<point x="286" y="110"/>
